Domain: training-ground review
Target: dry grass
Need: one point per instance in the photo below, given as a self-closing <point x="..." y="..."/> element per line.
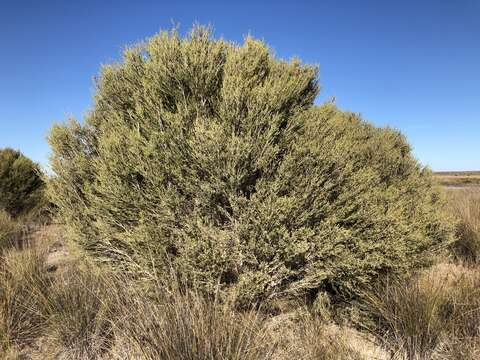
<point x="174" y="325"/>
<point x="429" y="315"/>
<point x="10" y="231"/>
<point x="24" y="286"/>
<point x="80" y="325"/>
<point x="322" y="341"/>
<point x="458" y="178"/>
<point x="465" y="206"/>
<point x="80" y="312"/>
<point x="407" y="318"/>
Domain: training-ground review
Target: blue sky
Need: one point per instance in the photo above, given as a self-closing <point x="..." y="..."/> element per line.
<point x="414" y="65"/>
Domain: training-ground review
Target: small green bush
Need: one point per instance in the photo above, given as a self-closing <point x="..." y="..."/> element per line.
<point x="209" y="157"/>
<point x="21" y="185"/>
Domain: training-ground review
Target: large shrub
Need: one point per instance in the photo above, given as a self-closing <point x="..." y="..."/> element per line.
<point x="210" y="157"/>
<point x="21" y="185"/>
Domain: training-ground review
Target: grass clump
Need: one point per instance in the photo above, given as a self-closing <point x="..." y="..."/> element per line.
<point x="177" y="324"/>
<point x="80" y="304"/>
<point x="24" y="289"/>
<point x="465" y="205"/>
<point x="431" y="314"/>
<point x="69" y="313"/>
<point x="409" y="318"/>
<point x="10" y="231"/>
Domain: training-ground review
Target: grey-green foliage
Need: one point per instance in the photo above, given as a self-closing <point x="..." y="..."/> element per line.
<point x="209" y="157"/>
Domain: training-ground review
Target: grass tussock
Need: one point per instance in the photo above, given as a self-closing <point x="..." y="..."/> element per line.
<point x="24" y="289"/>
<point x="465" y="205"/>
<point x="10" y="230"/>
<point x="429" y="315"/>
<point x="81" y="317"/>
<point x="174" y="324"/>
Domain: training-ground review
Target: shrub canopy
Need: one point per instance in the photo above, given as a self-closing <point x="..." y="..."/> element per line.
<point x="210" y="157"/>
<point x="21" y="185"/>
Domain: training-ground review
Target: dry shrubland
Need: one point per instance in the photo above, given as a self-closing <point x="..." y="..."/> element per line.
<point x="458" y="178"/>
<point x="79" y="309"/>
<point x="206" y="209"/>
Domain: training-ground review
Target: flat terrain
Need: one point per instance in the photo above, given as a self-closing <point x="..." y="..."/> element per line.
<point x="458" y="178"/>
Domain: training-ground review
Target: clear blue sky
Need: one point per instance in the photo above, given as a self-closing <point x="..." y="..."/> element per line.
<point x="414" y="65"/>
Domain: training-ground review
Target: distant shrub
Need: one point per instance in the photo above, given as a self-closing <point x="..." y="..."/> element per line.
<point x="21" y="186"/>
<point x="209" y="157"/>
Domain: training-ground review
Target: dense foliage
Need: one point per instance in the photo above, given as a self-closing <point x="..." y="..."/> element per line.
<point x="209" y="157"/>
<point x="21" y="185"/>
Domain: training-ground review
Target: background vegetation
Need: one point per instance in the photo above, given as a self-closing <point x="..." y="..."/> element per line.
<point x="458" y="178"/>
<point x="21" y="184"/>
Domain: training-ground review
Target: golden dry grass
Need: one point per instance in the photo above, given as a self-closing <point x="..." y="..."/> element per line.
<point x="433" y="315"/>
<point x="464" y="205"/>
<point x="10" y="230"/>
<point x="458" y="178"/>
